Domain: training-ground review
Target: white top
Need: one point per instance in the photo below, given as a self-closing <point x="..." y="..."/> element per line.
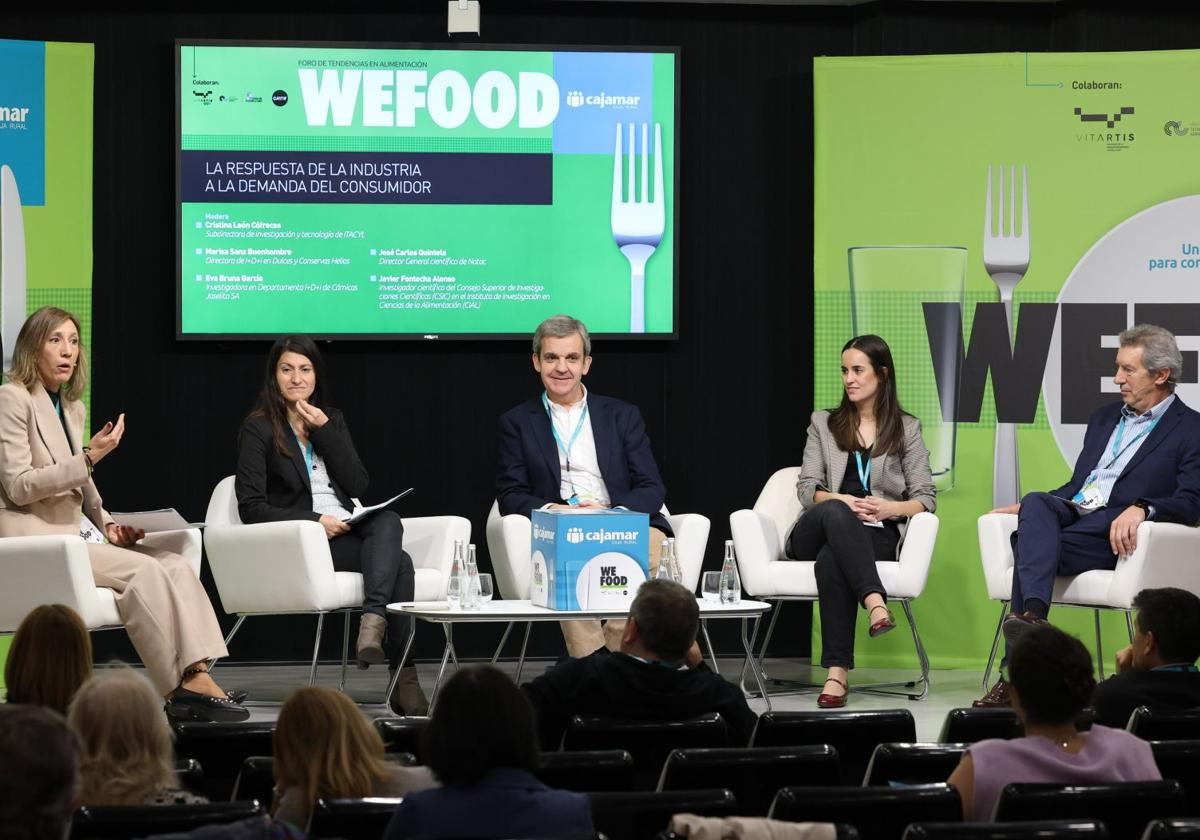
<point x="325" y="501"/>
<point x="584" y="478"/>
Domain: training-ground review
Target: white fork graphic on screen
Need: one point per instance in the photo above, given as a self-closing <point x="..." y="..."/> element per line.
<point x="12" y="263"/>
<point x="638" y="220"/>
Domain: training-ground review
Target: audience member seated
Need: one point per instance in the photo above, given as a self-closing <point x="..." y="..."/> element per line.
<point x="127" y="754"/>
<point x="481" y="745"/>
<point x="658" y="674"/>
<point x="326" y="749"/>
<point x="50" y="657"/>
<point x="40" y="757"/>
<point x="1050" y="680"/>
<point x="1159" y="668"/>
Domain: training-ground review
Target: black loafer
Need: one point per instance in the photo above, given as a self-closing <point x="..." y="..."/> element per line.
<point x="236" y="696"/>
<point x="191" y="705"/>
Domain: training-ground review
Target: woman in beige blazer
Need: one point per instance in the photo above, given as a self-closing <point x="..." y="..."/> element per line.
<point x="865" y="472"/>
<point x="45" y="485"/>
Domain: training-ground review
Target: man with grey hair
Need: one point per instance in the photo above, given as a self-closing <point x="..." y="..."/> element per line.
<point x="1140" y="461"/>
<point x="569" y="448"/>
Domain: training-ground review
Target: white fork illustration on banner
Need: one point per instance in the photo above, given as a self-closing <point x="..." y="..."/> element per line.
<point x="1006" y="259"/>
<point x="638" y="220"/>
<point x="12" y="263"/>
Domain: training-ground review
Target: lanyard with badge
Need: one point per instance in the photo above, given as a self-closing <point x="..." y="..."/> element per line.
<point x="1089" y="497"/>
<point x="307" y="450"/>
<point x="864" y="478"/>
<point x="566" y="447"/>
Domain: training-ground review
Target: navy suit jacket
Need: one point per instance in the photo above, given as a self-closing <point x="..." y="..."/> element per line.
<point x="1165" y="471"/>
<point x="505" y="803"/>
<point x="529" y="475"/>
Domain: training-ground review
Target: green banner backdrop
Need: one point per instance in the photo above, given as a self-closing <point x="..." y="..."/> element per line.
<point x="46" y="150"/>
<point x="908" y="150"/>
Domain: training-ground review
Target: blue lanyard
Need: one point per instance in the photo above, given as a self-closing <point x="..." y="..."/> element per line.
<point x="1116" y="455"/>
<point x="565" y="447"/>
<point x="308" y="452"/>
<point x="1185" y="669"/>
<point x="864" y="475"/>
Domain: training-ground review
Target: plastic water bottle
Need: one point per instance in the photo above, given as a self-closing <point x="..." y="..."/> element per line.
<point x="731" y="584"/>
<point x="471" y="595"/>
<point x="454" y="586"/>
<point x="664" y="562"/>
<point x="676" y="571"/>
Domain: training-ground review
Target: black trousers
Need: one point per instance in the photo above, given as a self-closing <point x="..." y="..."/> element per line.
<point x="374" y="547"/>
<point x="845" y="552"/>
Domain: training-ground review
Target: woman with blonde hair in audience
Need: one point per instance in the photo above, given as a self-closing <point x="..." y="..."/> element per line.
<point x="128" y="757"/>
<point x="326" y="749"/>
<point x="50" y="658"/>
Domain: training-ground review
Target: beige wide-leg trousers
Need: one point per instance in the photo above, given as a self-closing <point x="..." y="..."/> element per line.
<point x="165" y="609"/>
<point x="585" y="637"/>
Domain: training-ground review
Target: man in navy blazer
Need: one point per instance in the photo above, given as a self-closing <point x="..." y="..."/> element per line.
<point x="1140" y="461"/>
<point x="568" y="447"/>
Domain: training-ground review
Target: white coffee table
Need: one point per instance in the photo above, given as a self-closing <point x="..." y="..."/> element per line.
<point x="511" y="612"/>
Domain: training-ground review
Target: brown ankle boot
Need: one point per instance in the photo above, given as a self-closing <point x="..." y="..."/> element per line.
<point x="407" y="697"/>
<point x="370" y="640"/>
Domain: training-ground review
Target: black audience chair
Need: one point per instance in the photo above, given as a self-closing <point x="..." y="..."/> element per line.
<point x="969" y="726"/>
<point x="190" y="773"/>
<point x="912" y="764"/>
<point x="352" y="819"/>
<point x="1172" y="829"/>
<point x="1180" y="760"/>
<point x="587" y="770"/>
<point x="643" y="814"/>
<point x="1124" y="807"/>
<point x="402" y="734"/>
<point x="1165" y="725"/>
<point x="221" y="748"/>
<point x="853" y="734"/>
<point x="753" y="774"/>
<point x="256" y="780"/>
<point x="879" y="813"/>
<point x="649" y="742"/>
<point x="1039" y="830"/>
<point x="129" y="821"/>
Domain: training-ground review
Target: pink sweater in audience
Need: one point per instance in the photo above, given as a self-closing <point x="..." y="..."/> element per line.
<point x="1108" y="755"/>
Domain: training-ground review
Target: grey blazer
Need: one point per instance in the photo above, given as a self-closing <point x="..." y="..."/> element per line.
<point x="896" y="477"/>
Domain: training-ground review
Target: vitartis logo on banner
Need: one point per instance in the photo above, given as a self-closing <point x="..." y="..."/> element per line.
<point x="1115" y="133"/>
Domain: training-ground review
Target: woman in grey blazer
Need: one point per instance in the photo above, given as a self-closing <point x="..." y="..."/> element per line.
<point x="865" y="472"/>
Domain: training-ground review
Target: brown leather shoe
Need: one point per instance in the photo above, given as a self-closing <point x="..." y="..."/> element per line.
<point x="1017" y="625"/>
<point x="996" y="698"/>
<point x="407" y="697"/>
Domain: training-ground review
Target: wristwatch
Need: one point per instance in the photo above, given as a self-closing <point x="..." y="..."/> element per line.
<point x="1145" y="506"/>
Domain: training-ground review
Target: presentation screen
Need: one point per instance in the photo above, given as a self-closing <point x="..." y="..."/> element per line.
<point x="366" y="191"/>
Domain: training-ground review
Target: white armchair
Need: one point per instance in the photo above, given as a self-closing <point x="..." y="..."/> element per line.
<point x="272" y="568"/>
<point x="1165" y="556"/>
<point x="55" y="569"/>
<point x="509" y="539"/>
<point x="766" y="574"/>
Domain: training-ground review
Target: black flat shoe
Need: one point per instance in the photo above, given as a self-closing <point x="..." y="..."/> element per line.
<point x="191" y="705"/>
<point x="236" y="696"/>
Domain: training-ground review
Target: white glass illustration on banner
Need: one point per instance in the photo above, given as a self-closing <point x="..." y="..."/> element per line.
<point x="890" y="287"/>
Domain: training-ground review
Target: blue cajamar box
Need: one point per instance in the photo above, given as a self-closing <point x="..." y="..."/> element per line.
<point x="588" y="559"/>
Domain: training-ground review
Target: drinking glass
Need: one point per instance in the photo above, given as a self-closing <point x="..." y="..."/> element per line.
<point x="485" y="587"/>
<point x="889" y="287"/>
<point x="711" y="587"/>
